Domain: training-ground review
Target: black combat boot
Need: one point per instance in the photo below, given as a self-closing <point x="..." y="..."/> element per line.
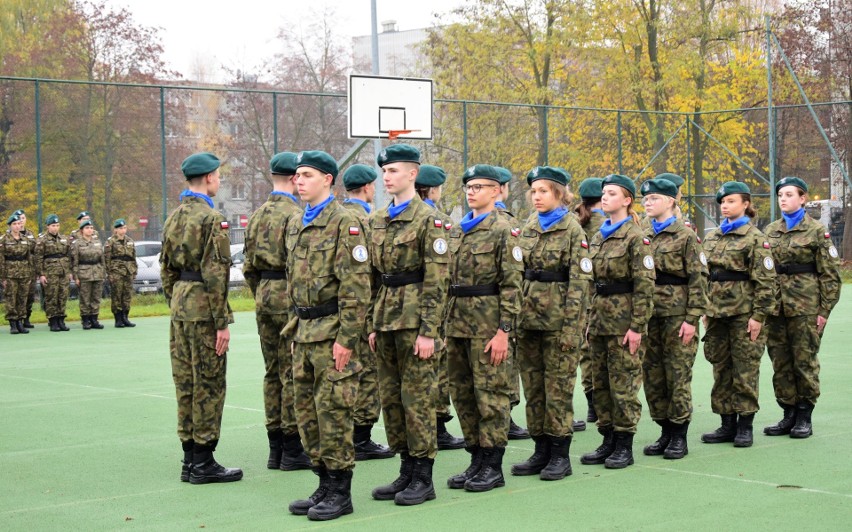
<point x="420" y="489"/>
<point x="591" y="415"/>
<point x="659" y="447"/>
<point x="276" y="447"/>
<point x="13" y="327"/>
<point x="119" y="323"/>
<point x="537" y="461"/>
<point x="490" y="474"/>
<point x="559" y="465"/>
<point x="21" y="329"/>
<point x="446" y="441"/>
<point x="93" y="321"/>
<point x="62" y="326"/>
<point x="578" y="425"/>
<point x="186" y="463"/>
<point x="516" y="432"/>
<point x="677" y="447"/>
<point x="27" y="323"/>
<point x="456" y="482"/>
<point x="293" y="457"/>
<point x="744" y="436"/>
<point x="87" y="324"/>
<point x="406" y="470"/>
<point x="599" y="455"/>
<point x="366" y="448"/>
<point x="54" y="325"/>
<point x="724" y="433"/>
<point x="127" y="322"/>
<point x="206" y="470"/>
<point x="302" y="506"/>
<point x="783" y="427"/>
<point x="338" y="500"/>
<point x="622" y="456"/>
<point x="803" y="427"/>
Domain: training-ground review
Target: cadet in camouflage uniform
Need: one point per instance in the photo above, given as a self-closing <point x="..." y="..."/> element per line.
<point x="808" y="288"/>
<point x="358" y="181"/>
<point x="680" y="299"/>
<point x="31" y="291"/>
<point x="82" y="217"/>
<point x="485" y="296"/>
<point x="557" y="274"/>
<point x="741" y="293"/>
<point x="53" y="266"/>
<point x="621" y="308"/>
<point x="16" y="269"/>
<point x="408" y="248"/>
<point x="429" y="185"/>
<point x="265" y="274"/>
<point x="195" y="264"/>
<point x="329" y="270"/>
<point x="120" y="259"/>
<point x="89" y="268"/>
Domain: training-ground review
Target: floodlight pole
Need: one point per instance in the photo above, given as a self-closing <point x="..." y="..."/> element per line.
<point x="770" y="121"/>
<point x="380" y="198"/>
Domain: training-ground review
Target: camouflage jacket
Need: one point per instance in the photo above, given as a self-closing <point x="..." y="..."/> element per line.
<point x="556" y="306"/>
<point x="623" y="257"/>
<point x="413" y="241"/>
<point x="805" y="294"/>
<point x="53" y="255"/>
<point x="744" y="249"/>
<point x="594" y="224"/>
<point x="488" y="254"/>
<point x="87" y="259"/>
<point x="120" y="256"/>
<point x="17" y="260"/>
<point x="327" y="260"/>
<point x="75" y="234"/>
<point x="195" y="239"/>
<point x="678" y="252"/>
<point x="265" y="250"/>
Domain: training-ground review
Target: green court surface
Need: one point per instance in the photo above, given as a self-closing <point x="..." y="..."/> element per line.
<point x="87" y="440"/>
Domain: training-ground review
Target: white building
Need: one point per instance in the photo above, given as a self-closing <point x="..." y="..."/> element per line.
<point x="399" y="51"/>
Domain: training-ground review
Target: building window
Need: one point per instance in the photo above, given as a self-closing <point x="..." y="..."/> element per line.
<point x="238" y="191"/>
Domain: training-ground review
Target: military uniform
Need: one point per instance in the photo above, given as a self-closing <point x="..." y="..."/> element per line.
<point x="87" y="263"/>
<point x="17" y="271"/>
<point x="31" y="291"/>
<point x="53" y="261"/>
<point x="591" y="227"/>
<point x="120" y="259"/>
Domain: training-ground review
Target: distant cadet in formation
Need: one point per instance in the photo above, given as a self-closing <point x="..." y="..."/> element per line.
<point x="89" y="269"/>
<point x="121" y="267"/>
<point x="53" y="265"/>
<point x="31" y="291"/>
<point x="82" y="217"/>
<point x="16" y="271"/>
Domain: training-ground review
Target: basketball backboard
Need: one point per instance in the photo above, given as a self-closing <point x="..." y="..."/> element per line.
<point x="380" y="105"/>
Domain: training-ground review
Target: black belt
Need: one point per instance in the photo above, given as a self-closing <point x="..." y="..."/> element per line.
<point x="611" y="289"/>
<point x="545" y="276"/>
<point x="55" y="256"/>
<point x="401" y="279"/>
<point x="17" y="258"/>
<point x="792" y="269"/>
<point x="666" y="279"/>
<point x="274" y="275"/>
<point x="186" y="275"/>
<point x="728" y="275"/>
<point x="89" y="262"/>
<point x="492" y="289"/>
<point x="128" y="259"/>
<point x="319" y="311"/>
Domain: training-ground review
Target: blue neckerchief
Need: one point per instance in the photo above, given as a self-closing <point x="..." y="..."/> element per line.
<point x="659" y="226"/>
<point x="500" y="205"/>
<point x="190" y="194"/>
<point x="285" y="194"/>
<point x="429" y="202"/>
<point x="546" y="220"/>
<point x="608" y="228"/>
<point x="599" y="211"/>
<point x="396" y="210"/>
<point x="313" y="212"/>
<point x="793" y="219"/>
<point x="727" y="226"/>
<point x="359" y="202"/>
<point x="469" y="222"/>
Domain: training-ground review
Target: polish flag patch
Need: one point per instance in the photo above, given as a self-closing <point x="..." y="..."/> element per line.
<point x="224" y="225"/>
<point x="827" y="235"/>
<point x="766" y="245"/>
<point x="354" y="230"/>
<point x="439" y="223"/>
<point x="646" y="241"/>
<point x="699" y="239"/>
<point x="584" y="244"/>
<point x="516" y="232"/>
<point x="448" y="226"/>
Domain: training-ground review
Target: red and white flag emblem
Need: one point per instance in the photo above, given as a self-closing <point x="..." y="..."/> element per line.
<point x="224" y="225"/>
<point x="448" y="226"/>
<point x="584" y="244"/>
<point x="828" y="235"/>
<point x="766" y="245"/>
<point x="354" y="230"/>
<point x="439" y="223"/>
<point x="516" y="232"/>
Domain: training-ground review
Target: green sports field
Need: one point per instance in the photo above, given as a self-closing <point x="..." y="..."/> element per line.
<point x="87" y="441"/>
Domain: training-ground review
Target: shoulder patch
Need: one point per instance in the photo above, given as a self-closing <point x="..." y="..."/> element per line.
<point x="646" y="241"/>
<point x="768" y="264"/>
<point x="699" y="239"/>
<point x="354" y="230"/>
<point x="766" y="245"/>
<point x="584" y="245"/>
<point x="440" y="246"/>
<point x="224" y="225"/>
<point x="827" y="235"/>
<point x="833" y="252"/>
<point x="703" y="258"/>
<point x="517" y="253"/>
<point x="438" y="223"/>
<point x="448" y="226"/>
<point x="359" y="253"/>
<point x="586" y="265"/>
<point x="648" y="262"/>
<point x="516" y="231"/>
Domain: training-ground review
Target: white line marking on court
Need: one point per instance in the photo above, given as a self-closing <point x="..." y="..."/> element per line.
<point x="86" y="501"/>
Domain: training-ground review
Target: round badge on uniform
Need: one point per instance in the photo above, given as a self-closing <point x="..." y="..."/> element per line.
<point x="833" y="252"/>
<point x="648" y="261"/>
<point x="768" y="264"/>
<point x="518" y="254"/>
<point x="586" y="265"/>
<point x="703" y="258"/>
<point x="359" y="253"/>
<point x="440" y="246"/>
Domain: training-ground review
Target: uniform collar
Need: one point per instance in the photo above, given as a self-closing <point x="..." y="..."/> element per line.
<point x="408" y="214"/>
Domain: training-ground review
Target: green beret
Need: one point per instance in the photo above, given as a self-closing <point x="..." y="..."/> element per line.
<point x="791" y="182"/>
<point x="505" y="174"/>
<point x="12" y="219"/>
<point x="659" y="185"/>
<point x="481" y="171"/>
<point x="358" y="175"/>
<point x="551" y="173"/>
<point x="731" y="187"/>
<point x="591" y="188"/>
<point x="199" y="164"/>
<point x="621" y="180"/>
<point x="20" y="212"/>
<point x="119" y="223"/>
<point x="51" y="219"/>
<point x="83" y="214"/>
<point x="85" y="223"/>
<point x="430" y="176"/>
<point x="319" y="160"/>
<point x="283" y="163"/>
<point x="674" y="178"/>
<point x="398" y="153"/>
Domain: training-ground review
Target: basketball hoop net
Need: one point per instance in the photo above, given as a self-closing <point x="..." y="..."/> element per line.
<point x="394" y="133"/>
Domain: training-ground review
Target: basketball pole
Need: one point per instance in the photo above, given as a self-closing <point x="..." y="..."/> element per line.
<point x="380" y="199"/>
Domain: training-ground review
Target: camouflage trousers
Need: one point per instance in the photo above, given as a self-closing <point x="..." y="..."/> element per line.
<point x="15" y="298"/>
<point x="31" y="297"/>
<point x="55" y="295"/>
<point x="616" y="377"/>
<point x="548" y="372"/>
<point x="514" y="375"/>
<point x="325" y="401"/>
<point x="442" y="406"/>
<point x="736" y="364"/>
<point x="90" y="297"/>
<point x="278" y="376"/>
<point x="121" y="292"/>
<point x="667" y="370"/>
<point x="408" y="387"/>
<point x="480" y="392"/>
<point x="368" y="404"/>
<point x="586" y="367"/>
<point x="793" y="344"/>
<point x="199" y="376"/>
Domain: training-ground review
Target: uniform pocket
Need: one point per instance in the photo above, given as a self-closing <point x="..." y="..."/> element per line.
<point x="212" y="365"/>
<point x="489" y="377"/>
<point x="483" y="257"/>
<point x="343" y="385"/>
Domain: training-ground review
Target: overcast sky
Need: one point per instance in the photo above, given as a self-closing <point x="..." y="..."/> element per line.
<point x="240" y="33"/>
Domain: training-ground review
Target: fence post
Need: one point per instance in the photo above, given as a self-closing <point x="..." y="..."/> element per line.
<point x="689" y="184"/>
<point x="274" y="122"/>
<point x="38" y="153"/>
<point x="546" y="139"/>
<point x="770" y="117"/>
<point x="464" y="134"/>
<point x="618" y="135"/>
<point x="163" y="152"/>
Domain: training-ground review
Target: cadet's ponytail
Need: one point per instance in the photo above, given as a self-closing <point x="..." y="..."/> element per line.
<point x="749" y="211"/>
